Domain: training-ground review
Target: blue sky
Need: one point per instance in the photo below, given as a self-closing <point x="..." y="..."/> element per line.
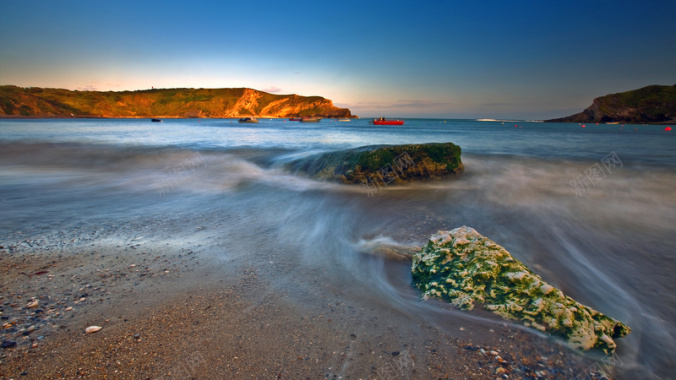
<point x="479" y="59"/>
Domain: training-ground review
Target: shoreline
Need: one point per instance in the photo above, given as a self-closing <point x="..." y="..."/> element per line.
<point x="52" y="117"/>
<point x="171" y="312"/>
<point x="353" y="117"/>
<point x="239" y="259"/>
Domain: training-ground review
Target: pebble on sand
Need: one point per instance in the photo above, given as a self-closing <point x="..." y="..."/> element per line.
<point x="92" y="329"/>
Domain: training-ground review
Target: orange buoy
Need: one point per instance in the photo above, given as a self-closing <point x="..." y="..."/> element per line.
<point x="667" y="129"/>
<point x="584" y="126"/>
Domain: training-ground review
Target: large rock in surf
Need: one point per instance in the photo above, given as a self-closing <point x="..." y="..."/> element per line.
<point x="380" y="165"/>
<point x="464" y="267"/>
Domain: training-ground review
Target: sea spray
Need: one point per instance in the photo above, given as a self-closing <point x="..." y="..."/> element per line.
<point x="611" y="248"/>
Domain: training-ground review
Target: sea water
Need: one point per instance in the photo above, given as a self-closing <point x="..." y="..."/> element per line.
<point x="590" y="208"/>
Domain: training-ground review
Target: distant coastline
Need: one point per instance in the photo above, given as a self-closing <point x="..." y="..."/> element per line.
<point x="648" y="105"/>
<point x="34" y="102"/>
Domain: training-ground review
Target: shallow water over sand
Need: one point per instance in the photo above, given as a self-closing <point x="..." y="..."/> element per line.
<point x="608" y="244"/>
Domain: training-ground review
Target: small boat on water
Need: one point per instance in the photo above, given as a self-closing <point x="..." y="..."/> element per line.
<point x="345" y="119"/>
<point x="295" y="119"/>
<point x="156" y="120"/>
<point x="311" y="120"/>
<point x="248" y="120"/>
<point x="383" y="121"/>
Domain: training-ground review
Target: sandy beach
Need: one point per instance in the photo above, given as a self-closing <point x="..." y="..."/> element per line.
<point x="176" y="312"/>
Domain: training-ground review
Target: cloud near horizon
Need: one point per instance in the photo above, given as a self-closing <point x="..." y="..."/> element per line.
<point x="419" y="104"/>
<point x="404" y="104"/>
<point x="88" y="87"/>
<point x="272" y="89"/>
<point x="97" y="85"/>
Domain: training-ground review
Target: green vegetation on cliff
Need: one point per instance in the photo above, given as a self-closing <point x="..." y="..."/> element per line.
<point x="182" y="102"/>
<point x="651" y="104"/>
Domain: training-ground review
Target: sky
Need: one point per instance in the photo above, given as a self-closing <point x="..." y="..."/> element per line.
<point x="526" y="60"/>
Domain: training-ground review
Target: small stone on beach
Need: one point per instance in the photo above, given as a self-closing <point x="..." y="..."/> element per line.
<point x="92" y="329"/>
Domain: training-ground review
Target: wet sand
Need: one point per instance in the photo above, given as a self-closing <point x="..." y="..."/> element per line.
<point x="178" y="312"/>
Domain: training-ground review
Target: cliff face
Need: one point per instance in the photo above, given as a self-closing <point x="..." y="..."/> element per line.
<point x="652" y="104"/>
<point x="167" y="103"/>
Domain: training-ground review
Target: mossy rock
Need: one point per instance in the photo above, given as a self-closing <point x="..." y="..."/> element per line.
<point x="396" y="164"/>
<point x="464" y="267"/>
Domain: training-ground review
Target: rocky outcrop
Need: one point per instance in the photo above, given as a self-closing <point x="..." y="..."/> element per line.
<point x="464" y="267"/>
<point x="383" y="165"/>
<point x="165" y="103"/>
<point x="652" y="104"/>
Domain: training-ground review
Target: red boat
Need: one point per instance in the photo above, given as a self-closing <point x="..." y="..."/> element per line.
<point x="383" y="121"/>
<point x="296" y="119"/>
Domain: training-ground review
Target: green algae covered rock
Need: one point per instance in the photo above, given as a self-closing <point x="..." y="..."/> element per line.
<point x="464" y="267"/>
<point x="384" y="165"/>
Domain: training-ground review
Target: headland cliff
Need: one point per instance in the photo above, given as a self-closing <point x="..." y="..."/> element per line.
<point x="647" y="105"/>
<point x="165" y="103"/>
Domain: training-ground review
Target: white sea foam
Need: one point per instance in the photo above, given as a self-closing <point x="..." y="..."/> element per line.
<point x="609" y="247"/>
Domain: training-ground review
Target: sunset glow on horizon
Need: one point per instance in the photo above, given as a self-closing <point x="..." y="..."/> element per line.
<point x="527" y="60"/>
